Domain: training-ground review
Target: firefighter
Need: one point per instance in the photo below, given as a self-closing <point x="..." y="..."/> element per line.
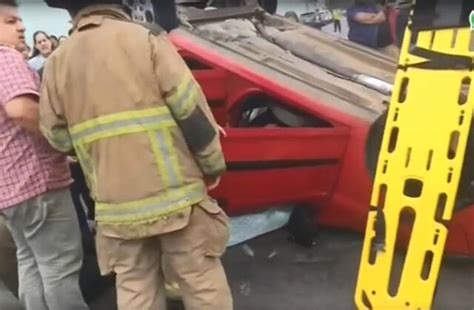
<point x="120" y="96"/>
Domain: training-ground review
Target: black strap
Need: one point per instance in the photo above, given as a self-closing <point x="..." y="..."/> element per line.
<point x="436" y="60"/>
<point x="153" y="28"/>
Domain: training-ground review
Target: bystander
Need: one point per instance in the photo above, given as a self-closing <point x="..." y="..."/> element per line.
<point x="34" y="198"/>
<point x="364" y="18"/>
<point x="42" y="49"/>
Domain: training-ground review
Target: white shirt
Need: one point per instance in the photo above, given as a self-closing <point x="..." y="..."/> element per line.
<point x="37" y="62"/>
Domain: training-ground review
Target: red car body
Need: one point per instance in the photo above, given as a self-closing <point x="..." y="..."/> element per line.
<point x="322" y="167"/>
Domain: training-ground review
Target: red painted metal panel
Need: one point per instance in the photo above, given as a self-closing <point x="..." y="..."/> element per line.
<point x="265" y="82"/>
<point x="271" y="144"/>
<point x="341" y="189"/>
<point x="249" y="191"/>
<point x="213" y="83"/>
<point x="277" y="166"/>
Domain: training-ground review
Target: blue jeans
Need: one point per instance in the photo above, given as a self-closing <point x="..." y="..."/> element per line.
<point x="49" y="252"/>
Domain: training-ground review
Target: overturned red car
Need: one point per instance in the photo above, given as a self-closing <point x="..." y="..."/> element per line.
<point x="297" y="106"/>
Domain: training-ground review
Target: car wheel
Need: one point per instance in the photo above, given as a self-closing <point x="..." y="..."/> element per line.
<point x="269" y="5"/>
<point x="301" y="226"/>
<point x="291" y="15"/>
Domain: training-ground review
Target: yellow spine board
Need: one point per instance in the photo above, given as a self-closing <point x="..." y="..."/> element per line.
<point x="423" y="148"/>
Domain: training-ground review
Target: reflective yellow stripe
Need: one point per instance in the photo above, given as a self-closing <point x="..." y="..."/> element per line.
<point x="121" y="123"/>
<point x="213" y="163"/>
<point x="121" y="116"/>
<point x="183" y="101"/>
<point x="87" y="167"/>
<point x="151" y="208"/>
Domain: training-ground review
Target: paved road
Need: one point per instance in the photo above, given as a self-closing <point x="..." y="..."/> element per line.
<point x="283" y="276"/>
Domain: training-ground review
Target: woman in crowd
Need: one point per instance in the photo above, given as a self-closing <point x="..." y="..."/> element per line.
<point x="26" y="52"/>
<point x="62" y="39"/>
<point x="43" y="47"/>
<point x="54" y="41"/>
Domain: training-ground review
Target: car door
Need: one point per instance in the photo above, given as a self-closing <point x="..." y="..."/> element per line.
<point x="289" y="156"/>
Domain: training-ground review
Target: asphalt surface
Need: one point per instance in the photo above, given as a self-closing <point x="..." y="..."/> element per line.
<point x="277" y="274"/>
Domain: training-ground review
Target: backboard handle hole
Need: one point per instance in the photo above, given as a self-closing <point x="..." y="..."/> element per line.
<point x="464" y="91"/>
<point x="430" y="160"/>
<point x="440" y="207"/>
<point x="427" y="264"/>
<point x="402" y="96"/>
<point x="453" y="145"/>
<point x="406" y="223"/>
<point x="413" y="188"/>
<point x="392" y="144"/>
<point x="408" y="157"/>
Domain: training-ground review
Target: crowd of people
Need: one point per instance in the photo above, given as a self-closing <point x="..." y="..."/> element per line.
<point x="43" y="46"/>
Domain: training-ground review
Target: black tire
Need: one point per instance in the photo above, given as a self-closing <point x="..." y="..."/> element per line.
<point x="175" y="305"/>
<point x="196" y="4"/>
<point x="292" y="16"/>
<point x="301" y="226"/>
<point x="226" y="3"/>
<point x="465" y="196"/>
<point x="165" y="14"/>
<point x="269" y="5"/>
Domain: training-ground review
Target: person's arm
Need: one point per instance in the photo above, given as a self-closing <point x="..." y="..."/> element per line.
<point x="18" y="91"/>
<point x="24" y="111"/>
<point x="53" y="125"/>
<point x="187" y="103"/>
<point x="368" y="18"/>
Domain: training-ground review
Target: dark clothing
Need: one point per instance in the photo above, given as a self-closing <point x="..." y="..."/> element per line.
<point x="91" y="282"/>
<point x="337" y="26"/>
<point x="81" y="198"/>
<point x="384" y="36"/>
<point x="365" y="34"/>
<point x="402" y="22"/>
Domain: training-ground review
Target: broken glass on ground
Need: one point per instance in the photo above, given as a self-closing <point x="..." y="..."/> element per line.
<point x="247" y="227"/>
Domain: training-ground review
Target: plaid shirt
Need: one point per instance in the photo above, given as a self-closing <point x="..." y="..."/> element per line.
<point x="28" y="165"/>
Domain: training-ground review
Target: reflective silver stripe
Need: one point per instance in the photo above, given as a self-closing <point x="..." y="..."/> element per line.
<point x="137" y="124"/>
<point x="165" y="152"/>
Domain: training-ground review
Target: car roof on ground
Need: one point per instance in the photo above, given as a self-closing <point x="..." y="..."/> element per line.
<point x="253" y="44"/>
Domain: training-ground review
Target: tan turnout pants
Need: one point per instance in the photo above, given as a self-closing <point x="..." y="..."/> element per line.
<point x="192" y="258"/>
